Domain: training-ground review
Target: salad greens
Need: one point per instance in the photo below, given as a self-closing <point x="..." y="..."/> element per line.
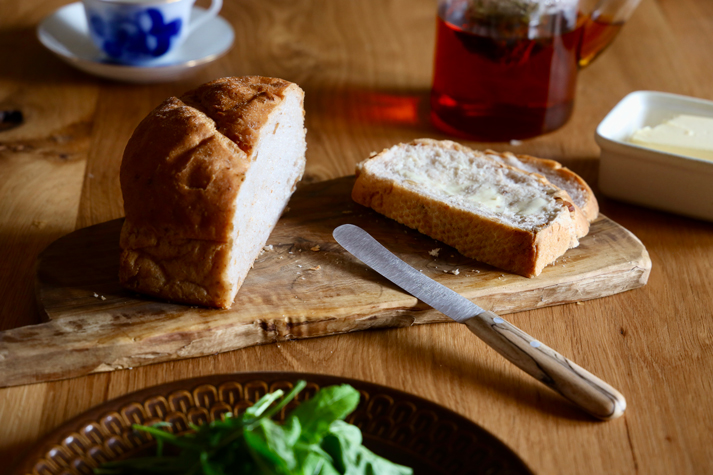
<point x="314" y="440"/>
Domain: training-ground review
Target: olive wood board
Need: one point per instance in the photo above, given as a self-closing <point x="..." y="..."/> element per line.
<point x="304" y="286"/>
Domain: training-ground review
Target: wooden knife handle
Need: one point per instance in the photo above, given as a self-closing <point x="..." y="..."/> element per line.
<point x="549" y="367"/>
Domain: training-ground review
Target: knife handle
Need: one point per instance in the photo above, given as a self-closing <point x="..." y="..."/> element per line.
<point x="549" y="367"/>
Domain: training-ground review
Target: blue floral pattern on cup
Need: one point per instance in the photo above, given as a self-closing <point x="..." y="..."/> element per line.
<point x="144" y="36"/>
<point x="139" y="32"/>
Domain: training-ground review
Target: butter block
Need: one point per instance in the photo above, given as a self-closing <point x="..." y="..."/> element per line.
<point x="687" y="135"/>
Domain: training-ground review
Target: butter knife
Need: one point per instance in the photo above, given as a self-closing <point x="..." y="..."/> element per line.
<point x="578" y="385"/>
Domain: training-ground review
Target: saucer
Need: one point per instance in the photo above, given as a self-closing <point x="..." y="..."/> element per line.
<point x="66" y="34"/>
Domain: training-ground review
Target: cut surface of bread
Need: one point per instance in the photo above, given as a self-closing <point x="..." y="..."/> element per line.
<point x="555" y="173"/>
<point x="501" y="215"/>
<point x="205" y="177"/>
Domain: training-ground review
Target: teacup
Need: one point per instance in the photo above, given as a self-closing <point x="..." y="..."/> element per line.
<point x="137" y="32"/>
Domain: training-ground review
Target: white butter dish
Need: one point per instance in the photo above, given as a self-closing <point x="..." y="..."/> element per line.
<point x="648" y="177"/>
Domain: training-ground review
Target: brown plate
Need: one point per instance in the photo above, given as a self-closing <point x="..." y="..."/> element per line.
<point x="399" y="426"/>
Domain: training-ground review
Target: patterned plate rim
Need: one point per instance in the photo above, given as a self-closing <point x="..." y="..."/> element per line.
<point x="34" y="454"/>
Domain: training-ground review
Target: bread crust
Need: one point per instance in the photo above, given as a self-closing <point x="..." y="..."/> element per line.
<point x="181" y="172"/>
<point x="239" y="106"/>
<point x="560" y="176"/>
<point x="493" y="242"/>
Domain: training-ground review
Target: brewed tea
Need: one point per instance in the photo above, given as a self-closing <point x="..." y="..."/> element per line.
<point x="496" y="83"/>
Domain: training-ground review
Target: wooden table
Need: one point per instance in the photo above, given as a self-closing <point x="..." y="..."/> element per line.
<point x="366" y="70"/>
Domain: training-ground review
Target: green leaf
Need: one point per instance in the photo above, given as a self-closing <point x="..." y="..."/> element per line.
<point x="344" y="443"/>
<point x="368" y="463"/>
<point x="299" y="386"/>
<point x="312" y="460"/>
<point x="256" y="410"/>
<point x="328" y="405"/>
<point x="274" y="443"/>
<point x="259" y="409"/>
<point x="314" y="440"/>
<point x="209" y="467"/>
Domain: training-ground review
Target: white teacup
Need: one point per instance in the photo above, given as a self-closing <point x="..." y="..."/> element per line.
<point x="140" y="31"/>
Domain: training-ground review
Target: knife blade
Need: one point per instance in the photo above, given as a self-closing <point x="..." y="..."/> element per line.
<point x="578" y="385"/>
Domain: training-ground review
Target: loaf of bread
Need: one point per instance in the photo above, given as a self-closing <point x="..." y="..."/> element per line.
<point x="205" y="178"/>
<point x="473" y="201"/>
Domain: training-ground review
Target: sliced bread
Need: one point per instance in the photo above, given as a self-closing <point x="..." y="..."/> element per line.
<point x="555" y="173"/>
<point x="205" y="177"/>
<point x="487" y="210"/>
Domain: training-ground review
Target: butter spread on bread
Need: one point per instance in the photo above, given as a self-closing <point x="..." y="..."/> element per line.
<point x="205" y="178"/>
<point x="473" y="201"/>
<point x="555" y="173"/>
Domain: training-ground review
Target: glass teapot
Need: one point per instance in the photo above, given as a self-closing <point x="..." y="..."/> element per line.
<point x="507" y="69"/>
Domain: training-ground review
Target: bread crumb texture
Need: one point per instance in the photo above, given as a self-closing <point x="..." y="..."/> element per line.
<point x="490" y="211"/>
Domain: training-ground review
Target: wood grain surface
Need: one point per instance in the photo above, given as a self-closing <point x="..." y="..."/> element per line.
<point x="366" y="68"/>
<point x="303" y="285"/>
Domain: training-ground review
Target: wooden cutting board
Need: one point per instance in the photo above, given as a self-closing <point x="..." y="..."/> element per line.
<point x="304" y="286"/>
